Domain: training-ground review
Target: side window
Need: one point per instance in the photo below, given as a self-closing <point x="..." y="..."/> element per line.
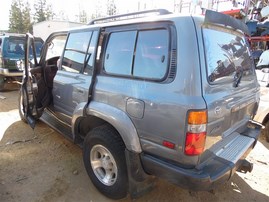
<point x="75" y="51"/>
<point x="151" y="58"/>
<point x="16" y="46"/>
<point x="119" y="53"/>
<point x="91" y="54"/>
<point x="138" y="53"/>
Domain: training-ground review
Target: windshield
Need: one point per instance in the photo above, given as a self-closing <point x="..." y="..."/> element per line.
<point x="14" y="47"/>
<point x="228" y="57"/>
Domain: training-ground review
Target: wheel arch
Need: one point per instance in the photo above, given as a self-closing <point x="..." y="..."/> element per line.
<point x="262" y="116"/>
<point x="97" y="114"/>
<point x="266" y="119"/>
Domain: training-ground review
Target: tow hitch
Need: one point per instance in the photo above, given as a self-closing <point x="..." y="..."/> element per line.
<point x="245" y="167"/>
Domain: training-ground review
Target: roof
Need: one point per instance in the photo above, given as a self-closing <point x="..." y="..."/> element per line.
<point x="211" y="17"/>
<point x="128" y="21"/>
<point x="12" y="34"/>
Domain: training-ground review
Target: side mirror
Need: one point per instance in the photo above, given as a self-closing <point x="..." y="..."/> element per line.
<point x="51" y="45"/>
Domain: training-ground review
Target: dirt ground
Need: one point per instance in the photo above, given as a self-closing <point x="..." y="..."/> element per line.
<point x="41" y="165"/>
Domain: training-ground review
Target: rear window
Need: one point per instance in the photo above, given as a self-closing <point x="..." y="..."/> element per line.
<point x="14" y="47"/>
<point x="228" y="57"/>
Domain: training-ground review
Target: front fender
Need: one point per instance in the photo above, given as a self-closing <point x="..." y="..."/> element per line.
<point x="117" y="118"/>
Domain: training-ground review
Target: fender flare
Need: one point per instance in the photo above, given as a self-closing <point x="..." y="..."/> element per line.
<point x="116" y="117"/>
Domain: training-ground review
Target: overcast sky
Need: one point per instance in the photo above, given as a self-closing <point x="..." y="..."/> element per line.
<point x="71" y="8"/>
<point x="4" y="14"/>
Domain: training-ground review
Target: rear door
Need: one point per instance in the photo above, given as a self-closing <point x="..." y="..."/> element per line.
<point x="38" y="75"/>
<point x="230" y="85"/>
<point x="72" y="81"/>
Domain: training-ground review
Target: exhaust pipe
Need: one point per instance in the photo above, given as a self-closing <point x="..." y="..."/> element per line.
<point x="245" y="166"/>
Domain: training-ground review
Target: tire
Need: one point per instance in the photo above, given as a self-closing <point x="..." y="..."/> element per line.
<point x="20" y="106"/>
<point x="104" y="160"/>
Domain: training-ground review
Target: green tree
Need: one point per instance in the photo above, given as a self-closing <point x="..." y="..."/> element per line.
<point x="16" y="17"/>
<point x="19" y="17"/>
<point x="43" y="11"/>
<point x="26" y="13"/>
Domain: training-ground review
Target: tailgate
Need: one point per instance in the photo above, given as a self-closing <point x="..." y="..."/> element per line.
<point x="230" y="88"/>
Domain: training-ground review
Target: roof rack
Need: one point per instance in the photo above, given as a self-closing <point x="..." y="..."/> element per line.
<point x="226" y="20"/>
<point x="128" y="16"/>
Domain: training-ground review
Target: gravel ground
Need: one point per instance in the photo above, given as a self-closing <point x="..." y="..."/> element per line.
<point x="41" y="165"/>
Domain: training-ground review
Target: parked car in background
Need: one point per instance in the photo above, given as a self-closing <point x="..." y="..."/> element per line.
<point x="262" y="72"/>
<point x="166" y="95"/>
<point x="262" y="69"/>
<point x="12" y="55"/>
<point x="263" y="112"/>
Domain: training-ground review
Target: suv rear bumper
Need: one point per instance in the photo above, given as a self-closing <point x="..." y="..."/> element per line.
<point x="7" y="73"/>
<point x="214" y="172"/>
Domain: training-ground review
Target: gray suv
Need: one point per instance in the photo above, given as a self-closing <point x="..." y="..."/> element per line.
<point x="149" y="94"/>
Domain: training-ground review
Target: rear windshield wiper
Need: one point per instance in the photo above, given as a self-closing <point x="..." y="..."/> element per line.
<point x="237" y="77"/>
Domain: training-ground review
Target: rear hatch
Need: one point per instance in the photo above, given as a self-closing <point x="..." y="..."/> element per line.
<point x="230" y="90"/>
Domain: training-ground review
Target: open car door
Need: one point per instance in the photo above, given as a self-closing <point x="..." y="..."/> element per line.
<point x="37" y="83"/>
<point x="28" y="92"/>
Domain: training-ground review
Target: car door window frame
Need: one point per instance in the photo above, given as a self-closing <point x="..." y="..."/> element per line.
<point x="44" y="50"/>
<point x="94" y="33"/>
<point x="90" y="62"/>
<point x="76" y="50"/>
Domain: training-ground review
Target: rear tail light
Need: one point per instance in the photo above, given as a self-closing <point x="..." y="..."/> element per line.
<point x="196" y="133"/>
